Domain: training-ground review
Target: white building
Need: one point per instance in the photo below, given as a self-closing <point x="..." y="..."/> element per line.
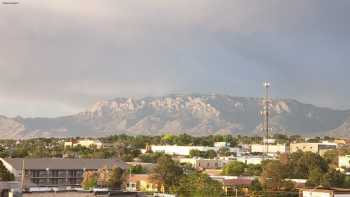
<point x="84" y="142"/>
<point x="185" y="150"/>
<point x="272" y="148"/>
<point x="269" y="141"/>
<point x="222" y="144"/>
<point x="344" y="161"/>
<point x="251" y="159"/>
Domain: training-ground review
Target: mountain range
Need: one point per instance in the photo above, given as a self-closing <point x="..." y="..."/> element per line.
<point x="195" y="114"/>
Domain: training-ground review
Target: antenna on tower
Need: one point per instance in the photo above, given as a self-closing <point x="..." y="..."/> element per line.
<point x="266" y="115"/>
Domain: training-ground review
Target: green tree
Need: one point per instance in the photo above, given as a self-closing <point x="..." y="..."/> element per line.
<point x="331" y="157"/>
<point x="137" y="169"/>
<point x="273" y="175"/>
<point x="346" y="182"/>
<point x="255" y="186"/>
<point x="168" y="139"/>
<point x="5" y="175"/>
<point x="210" y="154"/>
<point x="300" y="164"/>
<point x="150" y="157"/>
<point x="184" y="140"/>
<point x="195" y="153"/>
<point x="234" y="168"/>
<point x="224" y="151"/>
<point x="167" y="172"/>
<point x="199" y="185"/>
<point x="333" y="178"/>
<point x="315" y="177"/>
<point x="117" y="178"/>
<point x="253" y="170"/>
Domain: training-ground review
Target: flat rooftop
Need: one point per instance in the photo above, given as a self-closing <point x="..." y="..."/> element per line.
<point x="60" y="163"/>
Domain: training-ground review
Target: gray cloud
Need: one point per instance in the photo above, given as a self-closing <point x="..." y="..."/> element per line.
<point x="58" y="56"/>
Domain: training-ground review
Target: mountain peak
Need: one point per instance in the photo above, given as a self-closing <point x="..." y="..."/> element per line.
<point x="196" y="114"/>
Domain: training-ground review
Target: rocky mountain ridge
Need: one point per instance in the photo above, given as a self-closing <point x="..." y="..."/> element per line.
<point x="192" y="114"/>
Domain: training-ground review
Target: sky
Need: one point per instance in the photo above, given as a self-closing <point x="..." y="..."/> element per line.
<point x="58" y="57"/>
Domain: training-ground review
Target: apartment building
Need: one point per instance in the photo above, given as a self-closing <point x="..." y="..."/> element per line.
<point x="56" y="172"/>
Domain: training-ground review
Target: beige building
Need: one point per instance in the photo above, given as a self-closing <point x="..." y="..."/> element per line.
<point x="143" y="183"/>
<point x="324" y="192"/>
<point x="85" y="143"/>
<point x="319" y="148"/>
<point x="200" y="163"/>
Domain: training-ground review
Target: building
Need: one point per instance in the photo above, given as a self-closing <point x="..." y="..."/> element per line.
<point x="51" y="172"/>
<point x="324" y="192"/>
<point x="77" y="193"/>
<point x="340" y="142"/>
<point x="344" y="161"/>
<point x="143" y="183"/>
<point x="8" y="186"/>
<point x="269" y="141"/>
<point x="299" y="183"/>
<point x="185" y="150"/>
<point x="273" y="148"/>
<point x="319" y="148"/>
<point x="222" y="144"/>
<point x="201" y="163"/>
<point x="85" y="143"/>
<point x="236" y="186"/>
<point x="251" y="159"/>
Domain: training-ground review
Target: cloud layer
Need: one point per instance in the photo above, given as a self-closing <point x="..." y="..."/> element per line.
<point x="58" y="56"/>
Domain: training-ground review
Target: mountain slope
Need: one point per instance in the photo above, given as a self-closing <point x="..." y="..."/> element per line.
<point x="192" y="114"/>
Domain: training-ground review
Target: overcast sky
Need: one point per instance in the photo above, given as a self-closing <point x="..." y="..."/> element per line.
<point x="58" y="57"/>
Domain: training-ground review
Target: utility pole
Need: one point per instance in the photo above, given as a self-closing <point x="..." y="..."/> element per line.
<point x="266" y="115"/>
<point x="23" y="175"/>
<point x="130" y="185"/>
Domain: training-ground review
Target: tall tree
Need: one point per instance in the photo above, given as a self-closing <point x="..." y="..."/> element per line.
<point x="5" y="175"/>
<point x="199" y="185"/>
<point x="117" y="178"/>
<point x="300" y="164"/>
<point x="167" y="172"/>
<point x="333" y="178"/>
<point x="273" y="175"/>
<point x="234" y="168"/>
<point x="315" y="177"/>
